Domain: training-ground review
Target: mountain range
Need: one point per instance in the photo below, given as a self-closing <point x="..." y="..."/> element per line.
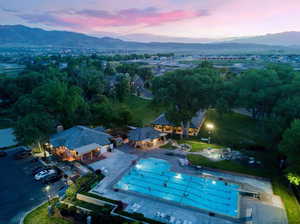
<point x="19" y="35"/>
<point x="279" y="39"/>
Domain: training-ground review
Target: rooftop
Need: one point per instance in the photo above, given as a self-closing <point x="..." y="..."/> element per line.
<point x="195" y="122"/>
<point x="79" y="136"/>
<point x="145" y="133"/>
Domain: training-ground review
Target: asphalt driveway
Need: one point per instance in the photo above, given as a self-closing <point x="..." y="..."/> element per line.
<point x="19" y="192"/>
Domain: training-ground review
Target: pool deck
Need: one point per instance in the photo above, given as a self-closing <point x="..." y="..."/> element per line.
<point x="269" y="210"/>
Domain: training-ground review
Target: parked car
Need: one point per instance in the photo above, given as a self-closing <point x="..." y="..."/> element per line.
<point x="51" y="178"/>
<point x="38" y="169"/>
<point x="44" y="173"/>
<point x="3" y="154"/>
<point x="22" y="154"/>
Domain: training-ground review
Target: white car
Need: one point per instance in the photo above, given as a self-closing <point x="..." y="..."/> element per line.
<point x="43" y="174"/>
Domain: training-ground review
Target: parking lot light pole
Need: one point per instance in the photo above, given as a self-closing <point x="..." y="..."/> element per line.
<point x="210" y="127"/>
<point x="48" y="194"/>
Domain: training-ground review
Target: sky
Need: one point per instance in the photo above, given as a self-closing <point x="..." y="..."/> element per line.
<point x="174" y="18"/>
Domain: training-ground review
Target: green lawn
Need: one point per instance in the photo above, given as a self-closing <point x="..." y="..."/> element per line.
<point x="236" y="130"/>
<point x="198" y="145"/>
<point x="40" y="216"/>
<point x="168" y="146"/>
<point x="228" y="165"/>
<point x="290" y="202"/>
<point x="143" y="109"/>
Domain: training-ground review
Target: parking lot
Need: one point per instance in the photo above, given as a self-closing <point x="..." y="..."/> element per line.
<point x="19" y="192"/>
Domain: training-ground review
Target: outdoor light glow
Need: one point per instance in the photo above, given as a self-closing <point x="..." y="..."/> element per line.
<point x="214" y="182"/>
<point x="138" y="166"/>
<point x="210" y="126"/>
<point x="47" y="188"/>
<point x="178" y="176"/>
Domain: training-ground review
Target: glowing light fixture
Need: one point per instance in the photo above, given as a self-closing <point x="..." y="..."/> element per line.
<point x="210" y="126"/>
<point x="138" y="166"/>
<point x="178" y="176"/>
<point x="47" y="188"/>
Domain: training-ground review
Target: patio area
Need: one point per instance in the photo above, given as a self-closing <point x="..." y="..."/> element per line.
<point x="113" y="166"/>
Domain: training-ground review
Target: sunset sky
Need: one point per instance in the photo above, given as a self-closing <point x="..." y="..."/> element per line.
<point x="177" y="18"/>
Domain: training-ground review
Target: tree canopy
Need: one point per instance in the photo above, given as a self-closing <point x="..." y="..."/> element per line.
<point x="290" y="146"/>
<point x="186" y="91"/>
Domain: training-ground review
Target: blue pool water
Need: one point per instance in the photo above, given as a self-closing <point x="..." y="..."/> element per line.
<point x="153" y="177"/>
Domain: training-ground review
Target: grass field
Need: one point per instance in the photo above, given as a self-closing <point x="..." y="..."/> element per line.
<point x="198" y="145"/>
<point x="236" y="130"/>
<point x="40" y="216"/>
<point x="290" y="202"/>
<point x="143" y="109"/>
<point x="228" y="165"/>
<point x="168" y="146"/>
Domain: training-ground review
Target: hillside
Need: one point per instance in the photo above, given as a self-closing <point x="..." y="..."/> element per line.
<point x="22" y="36"/>
<point x="280" y="39"/>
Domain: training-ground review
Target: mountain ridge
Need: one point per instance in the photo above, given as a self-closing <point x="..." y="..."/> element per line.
<point x="18" y="35"/>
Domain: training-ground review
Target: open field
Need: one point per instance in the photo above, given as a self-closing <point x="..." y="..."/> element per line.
<point x="198" y="145"/>
<point x="237" y="130"/>
<point x="143" y="109"/>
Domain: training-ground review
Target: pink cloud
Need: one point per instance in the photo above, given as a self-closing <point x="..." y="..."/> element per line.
<point x="101" y="18"/>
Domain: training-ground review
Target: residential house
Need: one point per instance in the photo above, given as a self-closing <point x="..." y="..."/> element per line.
<point x="162" y="124"/>
<point x="80" y="143"/>
<point x="146" y="138"/>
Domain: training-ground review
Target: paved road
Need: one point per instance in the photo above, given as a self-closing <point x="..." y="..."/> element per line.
<point x="19" y="192"/>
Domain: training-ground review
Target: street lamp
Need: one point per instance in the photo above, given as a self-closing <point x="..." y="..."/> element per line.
<point x="47" y="188"/>
<point x="210" y="127"/>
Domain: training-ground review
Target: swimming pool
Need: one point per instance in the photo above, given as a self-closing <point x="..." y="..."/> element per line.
<point x="153" y="177"/>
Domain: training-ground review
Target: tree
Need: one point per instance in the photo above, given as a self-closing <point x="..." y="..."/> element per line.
<point x="290" y="146"/>
<point x="34" y="128"/>
<point x="90" y="80"/>
<point x="185" y="92"/>
<point x="258" y="91"/>
<point x="122" y="87"/>
<point x="109" y="70"/>
<point x="60" y="100"/>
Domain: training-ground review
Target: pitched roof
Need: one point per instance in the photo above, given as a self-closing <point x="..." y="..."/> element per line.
<point x="100" y="128"/>
<point x="195" y="122"/>
<point x="86" y="148"/>
<point x="79" y="136"/>
<point x="162" y="120"/>
<point x="198" y="119"/>
<point x="145" y="133"/>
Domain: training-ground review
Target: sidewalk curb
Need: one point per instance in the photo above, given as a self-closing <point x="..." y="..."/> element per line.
<point x="26" y="213"/>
